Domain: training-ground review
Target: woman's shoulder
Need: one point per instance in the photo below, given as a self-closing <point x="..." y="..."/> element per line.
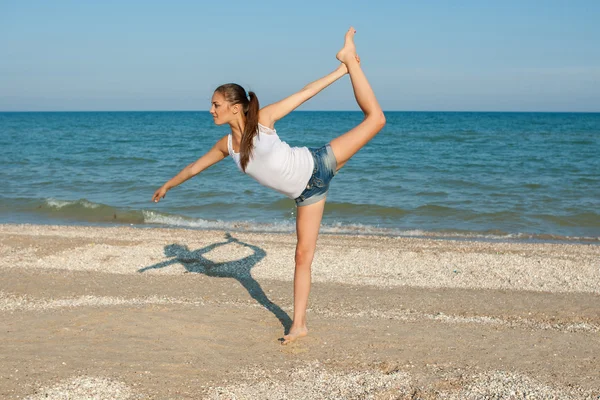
<point x="266" y="129"/>
<point x="265" y="120"/>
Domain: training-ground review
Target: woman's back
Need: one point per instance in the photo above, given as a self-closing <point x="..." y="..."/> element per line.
<point x="275" y="164"/>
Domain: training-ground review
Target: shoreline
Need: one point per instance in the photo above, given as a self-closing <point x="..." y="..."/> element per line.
<point x="341" y="230"/>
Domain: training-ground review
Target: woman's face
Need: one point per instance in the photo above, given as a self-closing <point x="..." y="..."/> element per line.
<point x="220" y="109"/>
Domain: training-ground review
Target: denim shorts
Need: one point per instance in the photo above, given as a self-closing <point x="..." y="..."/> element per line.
<point x="318" y="184"/>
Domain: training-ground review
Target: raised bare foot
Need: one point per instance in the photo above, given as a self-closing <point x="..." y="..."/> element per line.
<point x="294" y="334"/>
<point x="348" y="52"/>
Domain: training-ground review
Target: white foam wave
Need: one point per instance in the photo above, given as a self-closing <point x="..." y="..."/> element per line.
<point x="289" y="226"/>
<point x="286" y="226"/>
<point x="64" y="203"/>
<point x="151" y="217"/>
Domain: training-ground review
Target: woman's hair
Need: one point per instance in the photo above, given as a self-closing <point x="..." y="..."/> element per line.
<point x="235" y="94"/>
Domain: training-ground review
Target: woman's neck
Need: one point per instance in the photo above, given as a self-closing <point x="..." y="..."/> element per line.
<point x="237" y="128"/>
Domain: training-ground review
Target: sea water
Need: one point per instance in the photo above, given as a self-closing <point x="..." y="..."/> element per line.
<point x="452" y="174"/>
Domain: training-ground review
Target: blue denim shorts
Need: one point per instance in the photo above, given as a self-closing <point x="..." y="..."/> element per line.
<point x="318" y="184"/>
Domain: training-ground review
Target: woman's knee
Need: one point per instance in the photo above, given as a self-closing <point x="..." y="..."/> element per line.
<point x="304" y="255"/>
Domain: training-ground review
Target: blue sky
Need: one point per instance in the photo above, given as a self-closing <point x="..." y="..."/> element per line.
<point x="418" y="55"/>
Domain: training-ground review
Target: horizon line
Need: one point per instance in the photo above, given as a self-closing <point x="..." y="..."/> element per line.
<point x="357" y="111"/>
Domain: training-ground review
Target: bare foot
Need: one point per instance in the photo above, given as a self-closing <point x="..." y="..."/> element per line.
<point x="348" y="52"/>
<point x="294" y="334"/>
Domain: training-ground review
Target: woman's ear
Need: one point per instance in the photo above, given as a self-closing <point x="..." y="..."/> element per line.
<point x="236" y="108"/>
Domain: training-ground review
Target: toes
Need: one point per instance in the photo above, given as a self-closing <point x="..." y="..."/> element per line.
<point x="289" y="338"/>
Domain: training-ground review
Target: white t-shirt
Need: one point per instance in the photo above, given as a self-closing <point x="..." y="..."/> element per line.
<point x="275" y="164"/>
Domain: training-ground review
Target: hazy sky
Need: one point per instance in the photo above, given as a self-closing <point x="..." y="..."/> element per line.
<point x="419" y="55"/>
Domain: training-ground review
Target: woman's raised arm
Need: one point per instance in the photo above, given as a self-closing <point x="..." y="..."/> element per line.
<point x="274" y="112"/>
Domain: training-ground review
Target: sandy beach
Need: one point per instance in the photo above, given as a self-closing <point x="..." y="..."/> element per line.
<point x="128" y="313"/>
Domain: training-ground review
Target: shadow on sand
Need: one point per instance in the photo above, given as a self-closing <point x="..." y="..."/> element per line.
<point x="194" y="261"/>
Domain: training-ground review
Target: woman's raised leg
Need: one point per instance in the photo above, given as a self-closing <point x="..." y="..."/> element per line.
<point x="346" y="145"/>
<point x="308" y="222"/>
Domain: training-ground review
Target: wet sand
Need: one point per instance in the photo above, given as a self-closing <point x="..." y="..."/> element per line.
<point x="167" y="313"/>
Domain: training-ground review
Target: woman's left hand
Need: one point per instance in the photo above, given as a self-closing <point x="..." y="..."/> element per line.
<point x="159" y="194"/>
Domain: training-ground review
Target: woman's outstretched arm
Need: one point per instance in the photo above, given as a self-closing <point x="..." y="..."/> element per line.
<point x="274" y="112"/>
<point x="213" y="156"/>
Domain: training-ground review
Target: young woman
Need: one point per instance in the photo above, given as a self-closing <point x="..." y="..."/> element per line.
<point x="300" y="173"/>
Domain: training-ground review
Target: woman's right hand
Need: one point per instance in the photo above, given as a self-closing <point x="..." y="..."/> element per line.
<point x="159" y="194"/>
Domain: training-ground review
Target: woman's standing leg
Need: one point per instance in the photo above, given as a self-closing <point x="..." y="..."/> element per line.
<point x="308" y="222"/>
<point x="346" y="145"/>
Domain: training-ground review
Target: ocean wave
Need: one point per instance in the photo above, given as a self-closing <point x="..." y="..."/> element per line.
<point x="68" y="203"/>
<point x="157" y="218"/>
<point x="289" y="226"/>
<point x="587" y="219"/>
<point x="285" y="226"/>
<point x="341" y="217"/>
<point x="81" y="210"/>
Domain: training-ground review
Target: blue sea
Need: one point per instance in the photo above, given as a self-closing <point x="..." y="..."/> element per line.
<point x="515" y="176"/>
